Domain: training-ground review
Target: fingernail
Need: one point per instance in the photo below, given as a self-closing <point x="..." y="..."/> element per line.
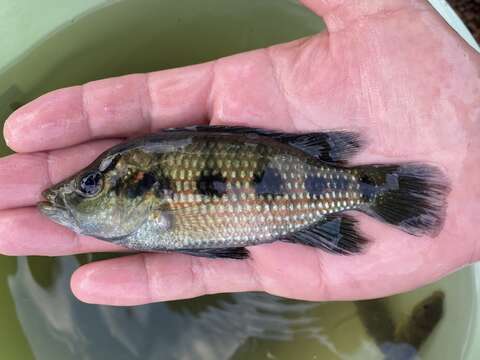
<point x="7" y="132"/>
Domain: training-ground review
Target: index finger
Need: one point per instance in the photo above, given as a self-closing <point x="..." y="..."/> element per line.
<point x="111" y="107"/>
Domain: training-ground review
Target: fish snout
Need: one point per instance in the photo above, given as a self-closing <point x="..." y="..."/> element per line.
<point x="54" y="196"/>
<point x="49" y="195"/>
<point x="55" y="207"/>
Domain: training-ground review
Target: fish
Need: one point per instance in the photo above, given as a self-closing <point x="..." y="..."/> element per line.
<point x="401" y="339"/>
<point x="212" y="191"/>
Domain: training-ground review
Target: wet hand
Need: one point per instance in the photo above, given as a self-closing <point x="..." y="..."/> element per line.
<point x="392" y="70"/>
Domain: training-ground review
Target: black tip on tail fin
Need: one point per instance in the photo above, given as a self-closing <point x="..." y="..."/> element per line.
<point x="337" y="234"/>
<point x="412" y="197"/>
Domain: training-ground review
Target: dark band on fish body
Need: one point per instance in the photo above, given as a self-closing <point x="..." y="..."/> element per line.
<point x="368" y="188"/>
<point x="316" y="185"/>
<point x="139" y="187"/>
<point x="117" y="184"/>
<point x="140" y="183"/>
<point x="268" y="182"/>
<point x="163" y="186"/>
<point x="211" y="183"/>
<point x="341" y="183"/>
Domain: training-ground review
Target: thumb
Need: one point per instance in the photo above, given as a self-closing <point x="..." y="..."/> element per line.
<point x="337" y="14"/>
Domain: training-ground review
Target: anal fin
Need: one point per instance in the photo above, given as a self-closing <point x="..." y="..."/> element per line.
<point x="238" y="253"/>
<point x="336" y="234"/>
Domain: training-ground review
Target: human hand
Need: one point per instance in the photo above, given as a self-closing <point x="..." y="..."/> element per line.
<point x="390" y="69"/>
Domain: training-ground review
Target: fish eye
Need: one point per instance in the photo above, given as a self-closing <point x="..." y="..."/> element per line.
<point x="90" y="184"/>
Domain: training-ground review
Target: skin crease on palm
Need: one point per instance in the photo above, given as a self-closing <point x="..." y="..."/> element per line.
<point x="390" y="69"/>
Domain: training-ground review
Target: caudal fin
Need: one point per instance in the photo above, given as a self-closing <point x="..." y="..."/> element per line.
<point x="410" y="196"/>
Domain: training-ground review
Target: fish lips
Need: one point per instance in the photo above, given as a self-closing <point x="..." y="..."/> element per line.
<point x="55" y="208"/>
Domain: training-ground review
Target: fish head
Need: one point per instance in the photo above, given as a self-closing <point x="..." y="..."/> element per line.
<point x="55" y="206"/>
<point x="93" y="202"/>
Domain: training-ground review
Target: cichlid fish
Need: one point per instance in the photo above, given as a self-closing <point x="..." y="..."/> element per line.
<point x="212" y="190"/>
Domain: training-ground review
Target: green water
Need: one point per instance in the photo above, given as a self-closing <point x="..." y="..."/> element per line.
<point x="40" y="317"/>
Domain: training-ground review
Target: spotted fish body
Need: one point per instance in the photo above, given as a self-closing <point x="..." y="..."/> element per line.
<point x="211" y="191"/>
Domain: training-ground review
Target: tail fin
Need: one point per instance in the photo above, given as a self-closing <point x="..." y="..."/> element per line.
<point x="411" y="196"/>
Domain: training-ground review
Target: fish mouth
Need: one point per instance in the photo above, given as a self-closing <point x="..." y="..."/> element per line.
<point x="54" y="207"/>
<point x="49" y="209"/>
<point x="53" y="198"/>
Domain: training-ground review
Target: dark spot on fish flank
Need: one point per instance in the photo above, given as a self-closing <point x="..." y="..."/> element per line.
<point x="211" y="183"/>
<point x="268" y="182"/>
<point x="132" y="191"/>
<point x="116" y="184"/>
<point x="366" y="179"/>
<point x="316" y="185"/>
<point x="142" y="183"/>
<point x="341" y="183"/>
<point x="368" y="188"/>
<point x="163" y="187"/>
<point x="147" y="181"/>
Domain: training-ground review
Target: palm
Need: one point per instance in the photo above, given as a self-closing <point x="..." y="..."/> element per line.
<point x="398" y="75"/>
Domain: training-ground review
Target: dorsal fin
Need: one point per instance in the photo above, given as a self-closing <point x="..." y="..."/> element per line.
<point x="331" y="146"/>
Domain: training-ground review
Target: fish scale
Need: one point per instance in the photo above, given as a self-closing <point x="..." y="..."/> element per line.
<point x="211" y="191"/>
<point x="268" y="218"/>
